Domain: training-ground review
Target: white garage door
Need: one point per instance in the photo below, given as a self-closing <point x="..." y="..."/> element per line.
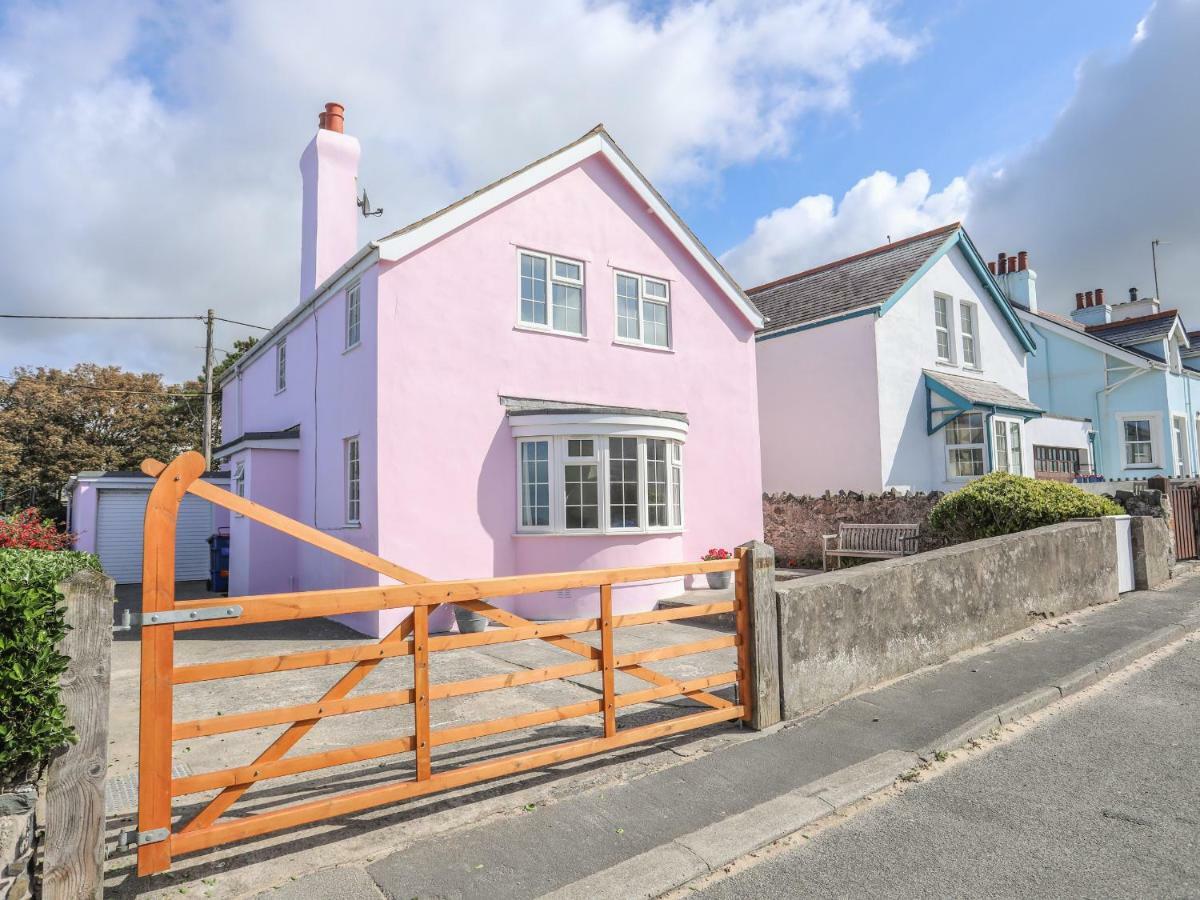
<point x="119" y="536"/>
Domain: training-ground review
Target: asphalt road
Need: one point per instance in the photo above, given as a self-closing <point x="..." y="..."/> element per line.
<point x="1102" y="799"/>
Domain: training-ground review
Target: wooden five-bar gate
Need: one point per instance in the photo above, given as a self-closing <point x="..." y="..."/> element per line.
<point x="159" y="838"/>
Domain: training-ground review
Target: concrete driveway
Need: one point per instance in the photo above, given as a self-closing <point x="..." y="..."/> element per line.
<point x="388" y="828"/>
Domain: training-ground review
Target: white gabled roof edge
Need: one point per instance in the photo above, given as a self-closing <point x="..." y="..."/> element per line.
<point x="409" y="240"/>
<point x="1082" y="337"/>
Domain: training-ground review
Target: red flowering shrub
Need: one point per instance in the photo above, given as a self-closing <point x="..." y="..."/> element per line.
<point x="716" y="553"/>
<point x="27" y="530"/>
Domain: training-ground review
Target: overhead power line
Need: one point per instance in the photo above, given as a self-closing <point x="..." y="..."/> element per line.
<point x="135" y="319"/>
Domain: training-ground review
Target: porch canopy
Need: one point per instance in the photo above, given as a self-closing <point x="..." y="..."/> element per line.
<point x="952" y="395"/>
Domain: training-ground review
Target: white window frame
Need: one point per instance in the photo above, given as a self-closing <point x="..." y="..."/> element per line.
<point x="1179" y="435"/>
<point x="352" y="479"/>
<point x="947" y="302"/>
<point x="1156" y="427"/>
<point x="972" y="310"/>
<point x="239" y="482"/>
<point x="558" y="461"/>
<point x="552" y="277"/>
<point x="983" y="447"/>
<point x="1010" y="453"/>
<point x="643" y="301"/>
<point x="281" y="366"/>
<point x="354" y="315"/>
<point x="521" y="526"/>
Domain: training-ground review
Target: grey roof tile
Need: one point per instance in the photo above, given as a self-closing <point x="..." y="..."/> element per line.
<point x="529" y="406"/>
<point x="982" y="392"/>
<point x="856" y="282"/>
<point x="1138" y="330"/>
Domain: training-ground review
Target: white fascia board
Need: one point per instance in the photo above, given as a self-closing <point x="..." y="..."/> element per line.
<point x="353" y="268"/>
<point x="402" y="245"/>
<point x="575" y="424"/>
<point x="1088" y="341"/>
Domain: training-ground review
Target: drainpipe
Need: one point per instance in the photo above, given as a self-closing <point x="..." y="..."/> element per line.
<point x="1102" y="409"/>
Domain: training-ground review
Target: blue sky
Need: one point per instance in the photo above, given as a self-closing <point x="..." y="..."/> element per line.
<point x="984" y="84"/>
<point x="153" y="144"/>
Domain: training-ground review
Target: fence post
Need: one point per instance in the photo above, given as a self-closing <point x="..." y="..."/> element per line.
<point x="606" y="661"/>
<point x="420" y="638"/>
<point x="73" y="851"/>
<point x="762" y="606"/>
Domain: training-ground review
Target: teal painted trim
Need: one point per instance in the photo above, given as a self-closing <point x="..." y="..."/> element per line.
<point x="962" y="404"/>
<point x="808" y="326"/>
<point x="960" y="238"/>
<point x="919" y="274"/>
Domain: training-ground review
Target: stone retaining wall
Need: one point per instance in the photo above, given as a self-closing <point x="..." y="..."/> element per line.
<point x="18" y="842"/>
<point x="794" y="525"/>
<point x="843" y="631"/>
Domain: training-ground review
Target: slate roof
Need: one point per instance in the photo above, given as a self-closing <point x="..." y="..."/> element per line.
<point x="529" y="406"/>
<point x="1137" y="330"/>
<point x="286" y="434"/>
<point x="982" y="393"/>
<point x="857" y="282"/>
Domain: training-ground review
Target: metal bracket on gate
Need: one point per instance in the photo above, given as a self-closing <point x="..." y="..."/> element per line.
<point x="135" y="838"/>
<point x="177" y="616"/>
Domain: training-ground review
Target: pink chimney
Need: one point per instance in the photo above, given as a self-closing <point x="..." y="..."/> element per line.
<point x="329" y="217"/>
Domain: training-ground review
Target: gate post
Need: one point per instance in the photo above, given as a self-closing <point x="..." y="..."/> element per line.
<point x="757" y="574"/>
<point x="158" y="662"/>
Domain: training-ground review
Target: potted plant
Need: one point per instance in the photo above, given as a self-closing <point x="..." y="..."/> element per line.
<point x="469" y="621"/>
<point x="718" y="580"/>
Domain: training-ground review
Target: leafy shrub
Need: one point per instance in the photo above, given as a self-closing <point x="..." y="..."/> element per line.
<point x="1000" y="503"/>
<point x="27" y="530"/>
<point x="33" y="720"/>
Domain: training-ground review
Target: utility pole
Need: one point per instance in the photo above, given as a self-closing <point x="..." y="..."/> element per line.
<point x="208" y="389"/>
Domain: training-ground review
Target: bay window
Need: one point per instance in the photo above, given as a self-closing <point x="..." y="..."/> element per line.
<point x="643" y="310"/>
<point x="599" y="484"/>
<point x="551" y="292"/>
<point x="965" y="446"/>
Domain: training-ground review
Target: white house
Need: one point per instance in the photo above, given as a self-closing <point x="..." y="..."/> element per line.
<point x="901" y="367"/>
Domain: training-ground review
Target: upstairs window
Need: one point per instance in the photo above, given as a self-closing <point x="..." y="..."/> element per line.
<point x="1139" y="442"/>
<point x="643" y="307"/>
<point x="941" y="327"/>
<point x="551" y="293"/>
<point x="970" y="346"/>
<point x="281" y="366"/>
<point x="353" y="315"/>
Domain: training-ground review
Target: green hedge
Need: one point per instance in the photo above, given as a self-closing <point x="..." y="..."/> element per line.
<point x="32" y="717"/>
<point x="1000" y="503"/>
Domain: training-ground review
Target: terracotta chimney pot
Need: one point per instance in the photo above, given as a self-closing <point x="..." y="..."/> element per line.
<point x="1090" y="299"/>
<point x="992" y="267"/>
<point x="1022" y="260"/>
<point x="1099" y="296"/>
<point x="1079" y="299"/>
<point x="1002" y="263"/>
<point x="334" y="117"/>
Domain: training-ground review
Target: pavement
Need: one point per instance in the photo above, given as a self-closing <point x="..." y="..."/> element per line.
<point x="1100" y="799"/>
<point x="648" y="819"/>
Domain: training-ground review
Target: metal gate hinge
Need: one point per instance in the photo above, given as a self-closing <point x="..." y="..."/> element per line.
<point x="133" y="838"/>
<point x="178" y="616"/>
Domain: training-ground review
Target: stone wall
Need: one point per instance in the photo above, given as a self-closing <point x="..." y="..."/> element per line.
<point x="1152" y="554"/>
<point x="794" y="525"/>
<point x="843" y="631"/>
<point x="18" y="844"/>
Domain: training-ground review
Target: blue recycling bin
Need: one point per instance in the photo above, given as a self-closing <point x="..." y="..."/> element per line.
<point x="218" y="562"/>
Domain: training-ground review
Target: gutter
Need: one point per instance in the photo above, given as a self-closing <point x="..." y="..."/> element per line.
<point x="325" y="287"/>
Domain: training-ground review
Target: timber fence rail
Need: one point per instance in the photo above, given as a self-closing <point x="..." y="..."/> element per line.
<point x="160" y="838"/>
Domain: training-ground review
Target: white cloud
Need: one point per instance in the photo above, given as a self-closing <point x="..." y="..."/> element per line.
<point x="1118" y="169"/>
<point x="149" y="164"/>
<point x="814" y="230"/>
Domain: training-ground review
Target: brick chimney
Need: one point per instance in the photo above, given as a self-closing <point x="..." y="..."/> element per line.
<point x="1016" y="279"/>
<point x="329" y="216"/>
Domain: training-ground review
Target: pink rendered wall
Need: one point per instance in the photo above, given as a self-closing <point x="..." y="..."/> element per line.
<point x="328" y="216"/>
<point x="271" y="479"/>
<point x="83" y="516"/>
<point x="447" y="317"/>
<point x="819" y="409"/>
<point x="331" y="395"/>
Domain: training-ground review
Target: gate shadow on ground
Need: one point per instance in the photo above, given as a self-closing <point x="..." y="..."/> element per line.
<point x="122" y="865"/>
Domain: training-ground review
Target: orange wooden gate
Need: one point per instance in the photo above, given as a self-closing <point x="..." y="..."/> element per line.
<point x="159" y="838"/>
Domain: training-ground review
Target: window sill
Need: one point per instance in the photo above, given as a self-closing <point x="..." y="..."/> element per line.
<point x="656" y="532"/>
<point x="946" y="364"/>
<point x="638" y="345"/>
<point x="352" y="348"/>
<point x="279" y="391"/>
<point x="533" y="329"/>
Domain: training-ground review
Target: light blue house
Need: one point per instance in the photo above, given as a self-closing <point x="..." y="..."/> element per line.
<point x="1129" y="368"/>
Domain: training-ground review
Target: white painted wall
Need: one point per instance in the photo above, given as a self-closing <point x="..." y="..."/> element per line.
<point x="818" y="408"/>
<point x="1054" y="431"/>
<point x="906" y="343"/>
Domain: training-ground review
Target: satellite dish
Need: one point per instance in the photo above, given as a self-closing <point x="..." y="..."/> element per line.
<point x="365" y="205"/>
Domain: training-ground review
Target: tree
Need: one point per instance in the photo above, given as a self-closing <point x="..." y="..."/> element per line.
<point x="57" y="423"/>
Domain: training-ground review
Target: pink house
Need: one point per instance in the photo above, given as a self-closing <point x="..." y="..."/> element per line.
<point x="549" y="374"/>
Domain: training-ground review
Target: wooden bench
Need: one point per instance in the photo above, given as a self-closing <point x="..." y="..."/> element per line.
<point x="870" y="542"/>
